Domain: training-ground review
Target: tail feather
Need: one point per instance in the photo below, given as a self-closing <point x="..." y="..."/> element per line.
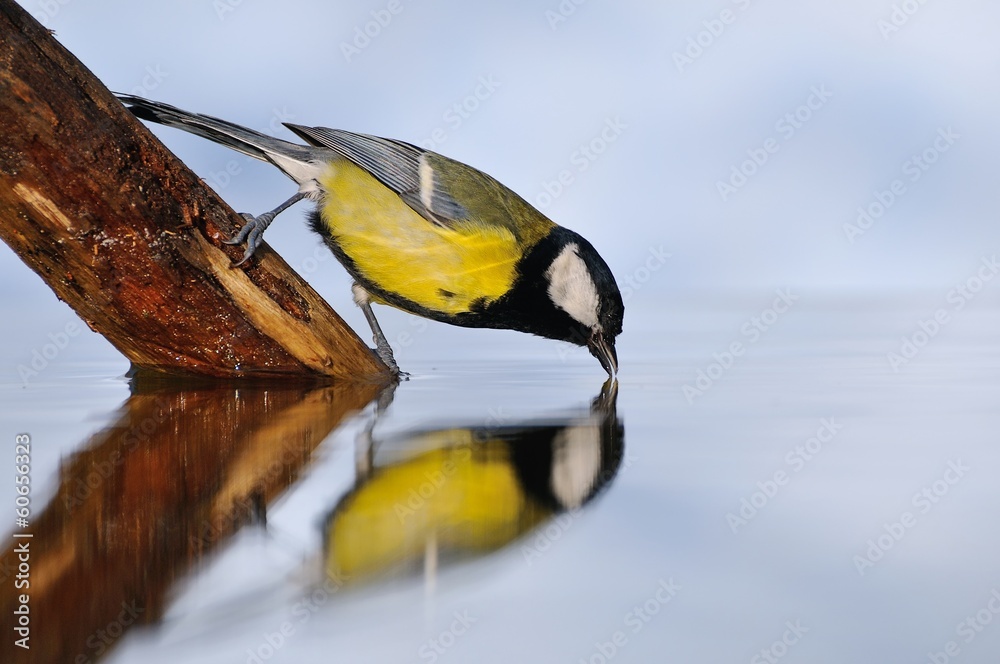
<point x="249" y="142"/>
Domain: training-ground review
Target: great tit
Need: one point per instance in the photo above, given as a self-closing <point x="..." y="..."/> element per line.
<point x="444" y="494"/>
<point x="428" y="235"/>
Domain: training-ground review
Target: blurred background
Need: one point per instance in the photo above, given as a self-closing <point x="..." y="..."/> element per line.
<point x="731" y="160"/>
<point x="519" y="89"/>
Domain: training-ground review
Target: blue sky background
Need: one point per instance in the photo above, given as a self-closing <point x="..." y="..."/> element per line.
<point x="557" y="79"/>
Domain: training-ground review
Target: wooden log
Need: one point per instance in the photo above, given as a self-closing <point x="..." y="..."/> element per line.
<point x="144" y="500"/>
<point x="131" y="239"/>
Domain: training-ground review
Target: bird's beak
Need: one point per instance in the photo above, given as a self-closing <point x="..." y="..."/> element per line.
<point x="604" y="351"/>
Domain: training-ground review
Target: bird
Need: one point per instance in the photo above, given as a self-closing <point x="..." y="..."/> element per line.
<point x="427" y="234"/>
<point x="458" y="491"/>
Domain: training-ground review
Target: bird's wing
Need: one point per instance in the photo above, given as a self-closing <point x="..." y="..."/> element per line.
<point x="402" y="167"/>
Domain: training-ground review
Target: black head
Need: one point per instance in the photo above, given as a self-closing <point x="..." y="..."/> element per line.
<point x="566" y="291"/>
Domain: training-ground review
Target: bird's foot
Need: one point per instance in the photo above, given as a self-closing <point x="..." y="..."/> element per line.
<point x="252" y="233"/>
<point x="384" y="352"/>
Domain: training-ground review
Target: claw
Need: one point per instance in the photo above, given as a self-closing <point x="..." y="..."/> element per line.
<point x="385" y="354"/>
<point x="253" y="230"/>
<point x="244" y="231"/>
<point x="252" y="233"/>
<point x="246" y="256"/>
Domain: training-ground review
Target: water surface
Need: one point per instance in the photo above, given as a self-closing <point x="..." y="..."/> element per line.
<point x="810" y="499"/>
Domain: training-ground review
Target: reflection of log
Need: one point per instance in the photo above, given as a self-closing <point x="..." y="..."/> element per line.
<point x="172" y="479"/>
<point x="131" y="239"/>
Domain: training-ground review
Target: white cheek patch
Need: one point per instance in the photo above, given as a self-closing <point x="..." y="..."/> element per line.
<point x="571" y="288"/>
<point x="576" y="464"/>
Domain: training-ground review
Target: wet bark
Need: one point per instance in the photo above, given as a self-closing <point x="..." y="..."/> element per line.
<point x="131" y="239"/>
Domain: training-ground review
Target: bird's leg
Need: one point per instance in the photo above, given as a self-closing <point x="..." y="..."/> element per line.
<point x="253" y="231"/>
<point x="382" y="347"/>
<point x="364" y="458"/>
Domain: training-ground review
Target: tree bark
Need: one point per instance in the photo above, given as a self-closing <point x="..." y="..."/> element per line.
<point x="131" y="239"/>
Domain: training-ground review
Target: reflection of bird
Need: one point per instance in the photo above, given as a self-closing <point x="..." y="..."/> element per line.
<point x="464" y="491"/>
<point x="429" y="235"/>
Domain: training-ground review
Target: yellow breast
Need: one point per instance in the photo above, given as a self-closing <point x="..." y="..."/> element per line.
<point x="444" y="269"/>
<point x="465" y="498"/>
